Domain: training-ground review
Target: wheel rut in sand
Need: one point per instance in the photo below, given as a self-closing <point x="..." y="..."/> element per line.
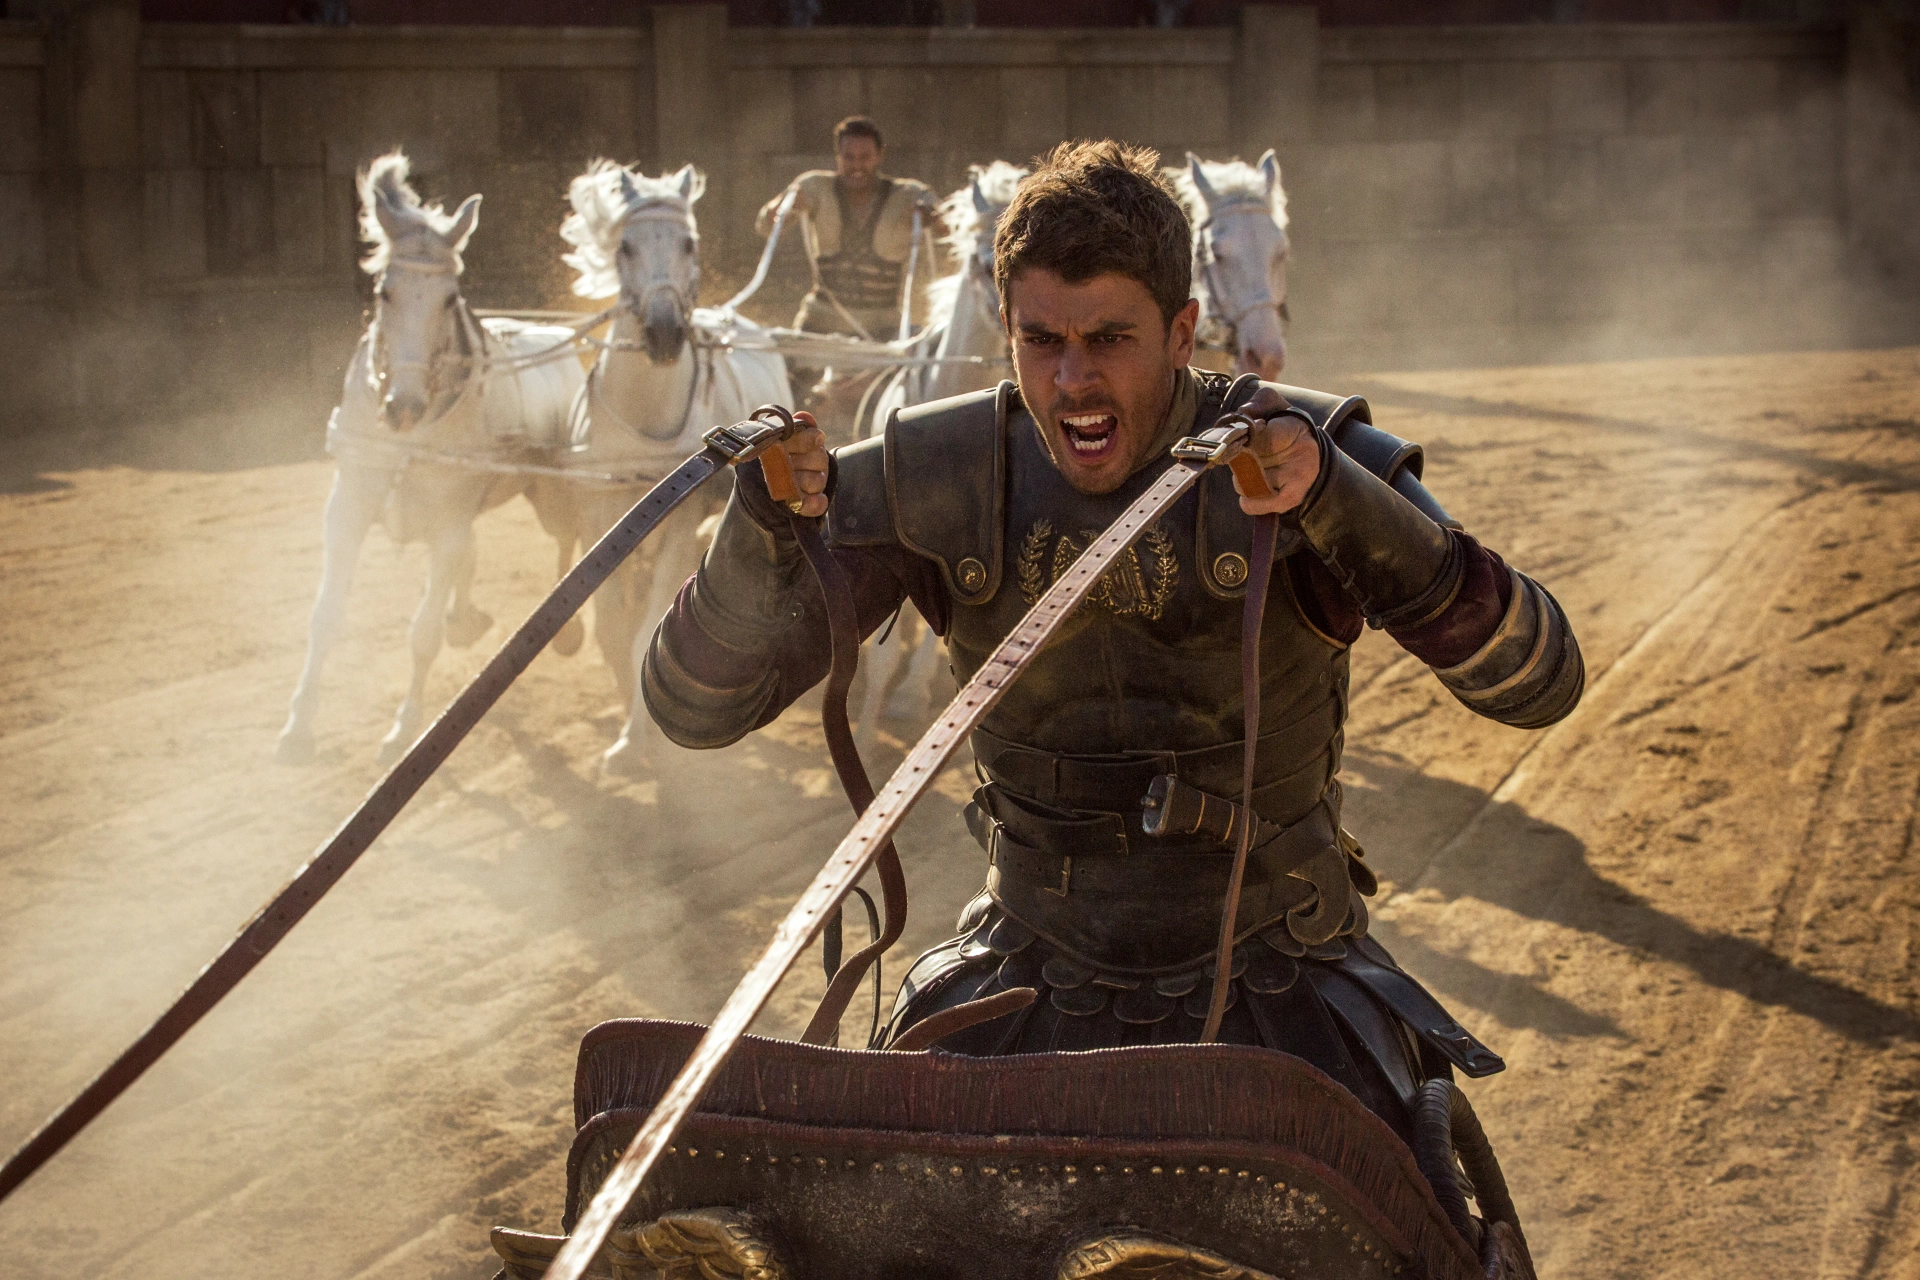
<point x="1686" y="916"/>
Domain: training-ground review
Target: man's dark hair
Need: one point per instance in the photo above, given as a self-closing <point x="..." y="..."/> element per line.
<point x="1093" y="207"/>
<point x="857" y="127"/>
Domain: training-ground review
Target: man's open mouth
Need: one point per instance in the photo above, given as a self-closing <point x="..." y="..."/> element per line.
<point x="1090" y="434"/>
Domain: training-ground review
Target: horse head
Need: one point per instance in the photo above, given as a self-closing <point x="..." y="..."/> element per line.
<point x="636" y="236"/>
<point x="419" y="323"/>
<point x="971" y="216"/>
<point x="1240" y="256"/>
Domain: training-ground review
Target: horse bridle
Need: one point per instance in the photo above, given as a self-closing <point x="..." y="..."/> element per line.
<point x="683" y="299"/>
<point x="468" y="339"/>
<point x="1216" y="299"/>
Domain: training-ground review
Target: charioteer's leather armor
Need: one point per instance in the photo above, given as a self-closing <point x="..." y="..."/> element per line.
<point x="959" y="508"/>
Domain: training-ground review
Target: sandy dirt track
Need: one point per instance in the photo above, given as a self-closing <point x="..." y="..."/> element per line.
<point x="1686" y="915"/>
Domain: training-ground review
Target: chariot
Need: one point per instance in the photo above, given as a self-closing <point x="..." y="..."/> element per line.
<point x="1171" y="1162"/>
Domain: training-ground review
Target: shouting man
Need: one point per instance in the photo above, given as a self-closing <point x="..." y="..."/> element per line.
<point x="971" y="507"/>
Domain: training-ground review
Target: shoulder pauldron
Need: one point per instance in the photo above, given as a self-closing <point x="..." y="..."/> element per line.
<point x="935" y="482"/>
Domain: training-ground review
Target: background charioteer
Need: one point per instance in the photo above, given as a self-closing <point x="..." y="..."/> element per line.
<point x="970" y="507"/>
<point x="862" y="228"/>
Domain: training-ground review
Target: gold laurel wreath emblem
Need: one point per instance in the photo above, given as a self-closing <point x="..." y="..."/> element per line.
<point x="1128" y="589"/>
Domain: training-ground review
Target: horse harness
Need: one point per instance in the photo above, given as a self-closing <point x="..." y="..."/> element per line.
<point x="1230" y="321"/>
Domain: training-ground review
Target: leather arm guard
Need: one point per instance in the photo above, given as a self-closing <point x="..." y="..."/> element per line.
<point x="1529" y="673"/>
<point x="1394" y="560"/>
<point x="1406" y="571"/>
<point x="709" y="672"/>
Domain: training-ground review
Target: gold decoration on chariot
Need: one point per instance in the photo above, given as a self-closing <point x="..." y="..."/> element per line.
<point x="527" y="1254"/>
<point x="972" y="575"/>
<point x="1230" y="569"/>
<point x="703" y="1244"/>
<point x="1142" y="1257"/>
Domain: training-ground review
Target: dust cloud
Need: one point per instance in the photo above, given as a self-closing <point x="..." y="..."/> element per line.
<point x="1685" y="916"/>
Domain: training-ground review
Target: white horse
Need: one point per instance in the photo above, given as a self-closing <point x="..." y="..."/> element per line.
<point x="667" y="374"/>
<point x="963" y="326"/>
<point x="437" y="409"/>
<point x="1239" y="214"/>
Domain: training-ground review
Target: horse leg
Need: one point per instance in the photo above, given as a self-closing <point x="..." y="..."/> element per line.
<point x="446" y="552"/>
<point x="466" y="623"/>
<point x="554" y="506"/>
<point x="675" y="561"/>
<point x="883" y="663"/>
<point x="353" y="505"/>
<point x="921" y="691"/>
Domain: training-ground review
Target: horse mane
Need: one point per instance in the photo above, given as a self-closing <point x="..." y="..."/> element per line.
<point x="603" y="198"/>
<point x="997" y="182"/>
<point x="1232" y="179"/>
<point x="386" y="180"/>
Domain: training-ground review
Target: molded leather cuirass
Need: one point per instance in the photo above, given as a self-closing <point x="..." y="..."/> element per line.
<point x="1151" y="662"/>
<point x="1144" y="678"/>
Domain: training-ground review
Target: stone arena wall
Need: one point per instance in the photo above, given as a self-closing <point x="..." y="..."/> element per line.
<point x="178" y="199"/>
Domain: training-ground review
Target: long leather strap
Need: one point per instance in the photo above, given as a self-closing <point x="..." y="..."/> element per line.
<point x="1266" y="535"/>
<point x="723" y="446"/>
<point x="843" y="631"/>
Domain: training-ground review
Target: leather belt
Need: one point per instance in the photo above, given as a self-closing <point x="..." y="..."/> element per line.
<point x="1129" y="902"/>
<point x="1116" y="782"/>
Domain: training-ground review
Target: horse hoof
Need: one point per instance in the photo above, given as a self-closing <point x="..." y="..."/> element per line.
<point x="392" y="747"/>
<point x="623" y="759"/>
<point x="467" y="628"/>
<point x="294" y="747"/>
<point x="567" y="643"/>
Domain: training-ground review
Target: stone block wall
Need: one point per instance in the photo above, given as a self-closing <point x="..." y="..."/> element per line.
<point x="1530" y="192"/>
<point x="179" y="208"/>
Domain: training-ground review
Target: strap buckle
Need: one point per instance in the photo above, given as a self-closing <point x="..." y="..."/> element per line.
<point x="745" y="441"/>
<point x="1217" y="445"/>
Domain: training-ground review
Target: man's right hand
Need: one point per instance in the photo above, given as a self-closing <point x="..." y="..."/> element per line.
<point x="807" y="451"/>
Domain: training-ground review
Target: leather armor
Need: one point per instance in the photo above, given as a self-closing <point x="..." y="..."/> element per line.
<point x="960" y="504"/>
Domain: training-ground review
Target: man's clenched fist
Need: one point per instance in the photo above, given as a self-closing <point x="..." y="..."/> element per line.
<point x="807" y="451"/>
<point x="1286" y="448"/>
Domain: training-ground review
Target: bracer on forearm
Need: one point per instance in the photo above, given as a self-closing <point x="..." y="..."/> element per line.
<point x="708" y="673"/>
<point x="1529" y="673"/>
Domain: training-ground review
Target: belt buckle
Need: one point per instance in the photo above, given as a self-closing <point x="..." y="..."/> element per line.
<point x="1066" y="866"/>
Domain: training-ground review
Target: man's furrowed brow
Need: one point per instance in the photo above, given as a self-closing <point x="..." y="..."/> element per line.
<point x="1112" y="328"/>
<point x="1035" y="329"/>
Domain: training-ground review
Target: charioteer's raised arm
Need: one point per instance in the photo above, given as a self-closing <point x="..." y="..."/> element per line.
<point x="1494" y="637"/>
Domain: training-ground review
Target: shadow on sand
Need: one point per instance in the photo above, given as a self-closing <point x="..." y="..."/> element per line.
<point x="1540" y="871"/>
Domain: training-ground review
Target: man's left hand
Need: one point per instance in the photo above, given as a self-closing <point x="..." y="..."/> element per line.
<point x="1286" y="449"/>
